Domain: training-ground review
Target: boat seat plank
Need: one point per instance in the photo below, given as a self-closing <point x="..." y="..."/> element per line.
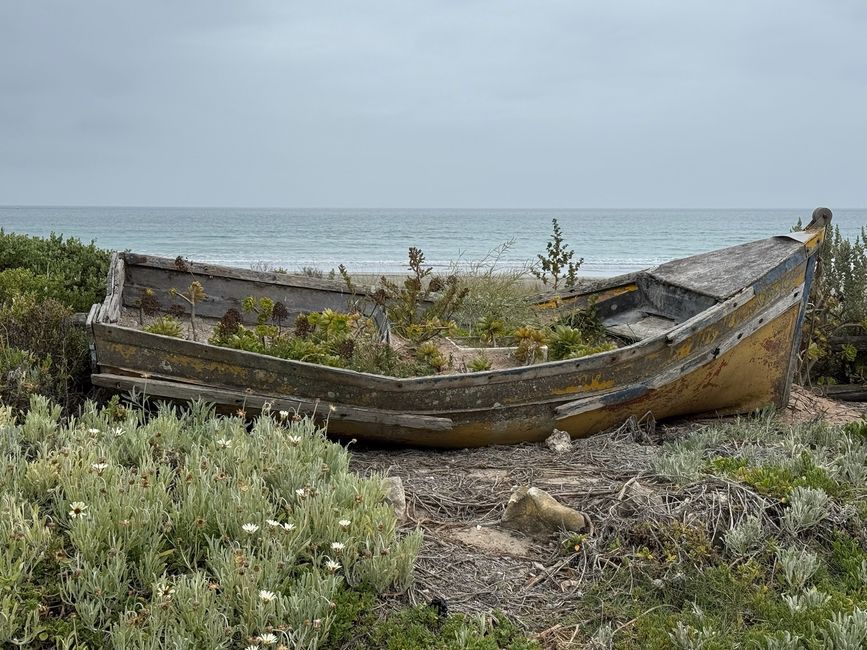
<point x="645" y="326"/>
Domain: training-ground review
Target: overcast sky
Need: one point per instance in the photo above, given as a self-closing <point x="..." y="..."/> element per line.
<point x="447" y="103"/>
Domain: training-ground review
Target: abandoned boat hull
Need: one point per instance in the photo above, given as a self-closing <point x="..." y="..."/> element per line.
<point x="730" y="348"/>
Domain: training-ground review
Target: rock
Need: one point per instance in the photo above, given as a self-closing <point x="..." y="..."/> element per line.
<point x="396" y="496"/>
<point x="559" y="442"/>
<point x="535" y="512"/>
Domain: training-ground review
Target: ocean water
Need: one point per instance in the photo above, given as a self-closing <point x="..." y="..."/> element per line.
<point x="376" y="241"/>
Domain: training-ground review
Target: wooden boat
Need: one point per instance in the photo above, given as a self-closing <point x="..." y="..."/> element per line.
<point x="715" y="333"/>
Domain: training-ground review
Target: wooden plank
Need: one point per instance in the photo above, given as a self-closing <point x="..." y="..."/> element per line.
<point x="846" y="392"/>
<point x="604" y="400"/>
<point x="182" y="391"/>
<point x="219" y="271"/>
<point x="722" y="273"/>
<point x="859" y="342"/>
<point x="645" y="327"/>
<point x="588" y="286"/>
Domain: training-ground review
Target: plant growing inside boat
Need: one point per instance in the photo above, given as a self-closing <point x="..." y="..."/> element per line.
<point x="429" y="354"/>
<point x="165" y="325"/>
<point x="264" y="309"/>
<point x="194" y="294"/>
<point x="490" y="329"/>
<point x="587" y="321"/>
<point x="569" y="343"/>
<point x="228" y="326"/>
<point x="557" y="265"/>
<point x="422" y="307"/>
<point x="531" y="345"/>
<point x="480" y="363"/>
<point x="279" y="313"/>
<point x="148" y="305"/>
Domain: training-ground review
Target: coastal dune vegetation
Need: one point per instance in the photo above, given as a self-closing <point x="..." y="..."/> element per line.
<point x="133" y="524"/>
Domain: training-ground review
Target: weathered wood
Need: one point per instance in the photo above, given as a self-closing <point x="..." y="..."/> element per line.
<point x="723" y="273"/>
<point x="217" y="271"/>
<point x="725" y="356"/>
<point x="644" y="327"/>
<point x="701" y="320"/>
<point x="859" y="342"/>
<point x="109" y="310"/>
<point x="846" y="392"/>
<point x="256" y="401"/>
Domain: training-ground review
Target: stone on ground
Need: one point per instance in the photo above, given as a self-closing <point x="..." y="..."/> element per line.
<point x="396" y="496"/>
<point x="559" y="442"/>
<point x="535" y="512"/>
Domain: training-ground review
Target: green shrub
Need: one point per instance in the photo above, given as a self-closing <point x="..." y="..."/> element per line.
<point x="40" y="343"/>
<point x="569" y="343"/>
<point x="556" y="265"/>
<point x="422" y="306"/>
<point x="429" y="354"/>
<point x="184" y="530"/>
<point x="837" y="308"/>
<point x="480" y="363"/>
<point x="61" y="268"/>
<point x="165" y="325"/>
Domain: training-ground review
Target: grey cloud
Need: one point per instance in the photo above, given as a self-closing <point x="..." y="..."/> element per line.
<point x="440" y="103"/>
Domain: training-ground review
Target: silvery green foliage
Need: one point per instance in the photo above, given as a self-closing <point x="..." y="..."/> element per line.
<point x="687" y="637"/>
<point x="862" y="572"/>
<point x="603" y="638"/>
<point x="851" y="465"/>
<point x="187" y="530"/>
<point x="846" y="631"/>
<point x="798" y="566"/>
<point x="807" y="507"/>
<point x="809" y="599"/>
<point x="24" y="539"/>
<point x="679" y="464"/>
<point x="783" y="641"/>
<point x="745" y="537"/>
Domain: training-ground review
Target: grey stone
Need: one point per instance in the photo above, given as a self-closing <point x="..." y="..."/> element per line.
<point x="535" y="512"/>
<point x="396" y="496"/>
<point x="559" y="441"/>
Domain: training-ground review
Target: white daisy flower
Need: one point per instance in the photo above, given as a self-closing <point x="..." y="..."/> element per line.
<point x="288" y="526"/>
<point x="267" y="596"/>
<point x="93" y="432"/>
<point x="301" y="492"/>
<point x="222" y="443"/>
<point x="117" y="431"/>
<point x="337" y="546"/>
<point x="273" y="523"/>
<point x="267" y="639"/>
<point x="295" y="440"/>
<point x="252" y="647"/>
<point x="77" y="509"/>
<point x="99" y="467"/>
<point x="332" y="566"/>
<point x="344" y="523"/>
<point x="250" y="528"/>
<point x="284" y="415"/>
